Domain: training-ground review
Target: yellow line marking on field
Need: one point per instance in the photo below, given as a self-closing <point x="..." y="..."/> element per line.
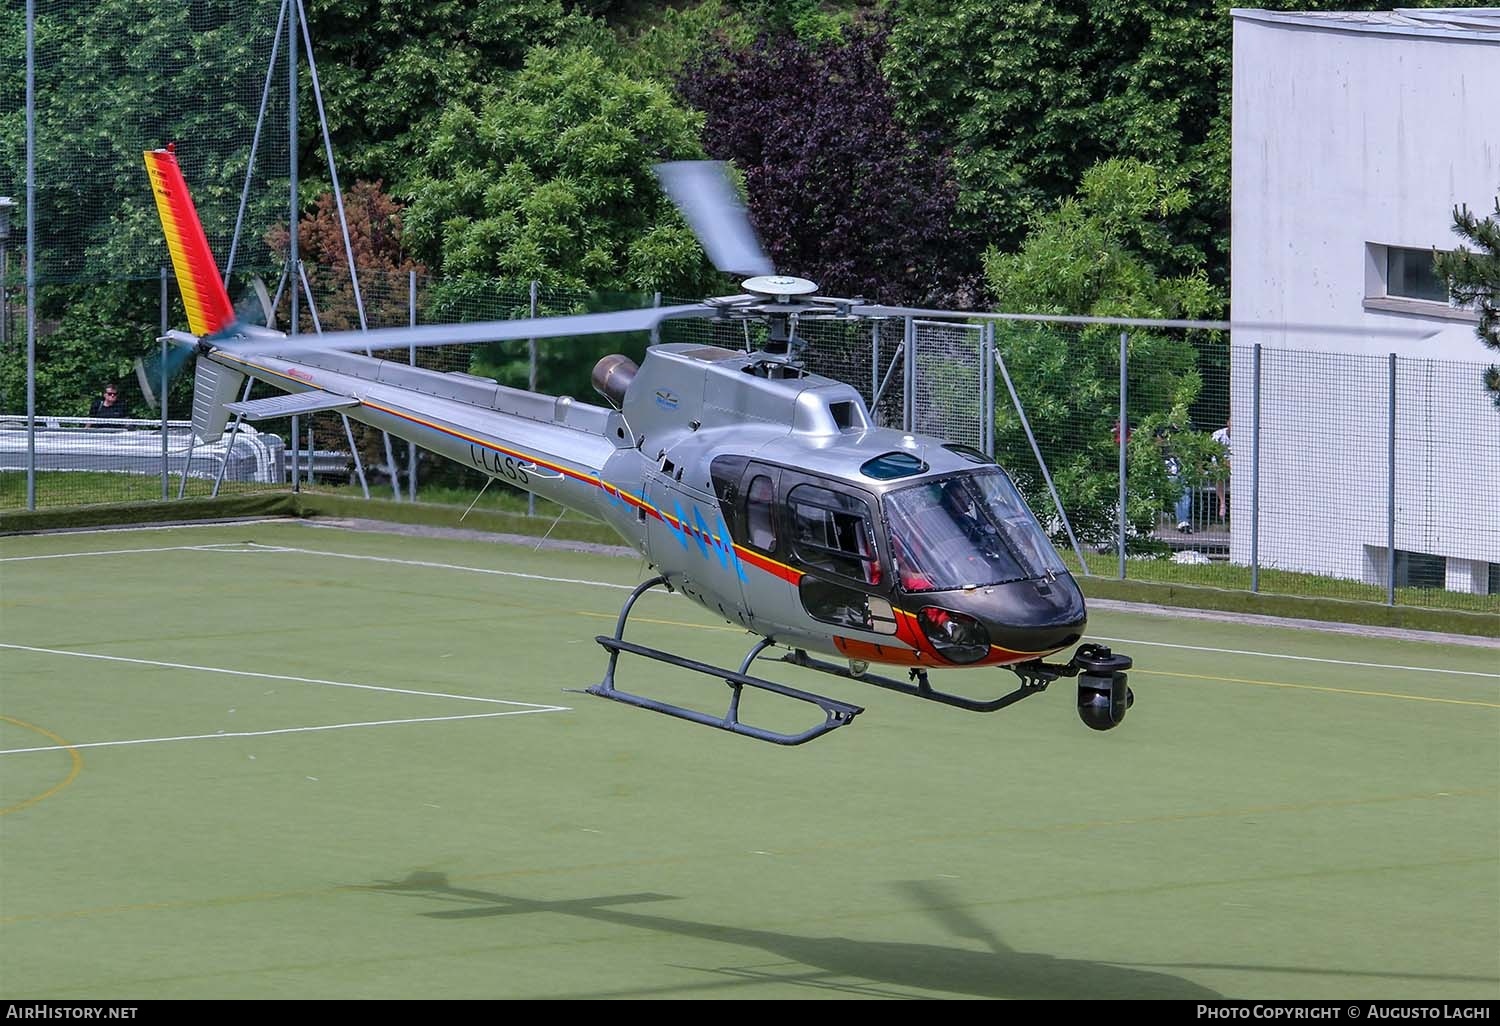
<point x="1319" y="687"/>
<point x="73" y="754"/>
<point x="669" y="623"/>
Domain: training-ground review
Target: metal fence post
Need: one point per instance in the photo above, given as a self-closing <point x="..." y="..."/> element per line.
<point x="1255" y="472"/>
<point x="164" y="492"/>
<point x="531" y="356"/>
<point x="1122" y="433"/>
<point x="411" y="354"/>
<point x="1036" y="451"/>
<point x="1390" y="488"/>
<point x="908" y="401"/>
<point x="987" y="389"/>
<point x="31" y="254"/>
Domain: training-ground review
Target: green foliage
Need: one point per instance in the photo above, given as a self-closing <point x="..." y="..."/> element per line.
<point x="389" y="68"/>
<point x="677" y="36"/>
<point x="96" y="333"/>
<point x="1032" y="94"/>
<point x="1474" y="277"/>
<point x="1089" y="256"/>
<point x="114" y="78"/>
<point x="549" y="178"/>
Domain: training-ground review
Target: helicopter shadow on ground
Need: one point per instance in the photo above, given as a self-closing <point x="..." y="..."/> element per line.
<point x="997" y="971"/>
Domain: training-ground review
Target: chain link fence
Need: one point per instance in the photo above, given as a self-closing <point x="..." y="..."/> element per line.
<point x="1247" y="467"/>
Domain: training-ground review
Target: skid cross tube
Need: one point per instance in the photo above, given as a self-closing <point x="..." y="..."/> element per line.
<point x="835" y="713"/>
<point x="919" y="687"/>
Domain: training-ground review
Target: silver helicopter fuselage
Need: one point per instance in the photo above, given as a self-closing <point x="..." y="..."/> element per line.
<point x="669" y="470"/>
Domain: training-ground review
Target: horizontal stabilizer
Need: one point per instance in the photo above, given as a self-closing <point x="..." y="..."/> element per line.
<point x="291" y="405"/>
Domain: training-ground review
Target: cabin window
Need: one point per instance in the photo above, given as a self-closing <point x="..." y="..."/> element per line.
<point x="843" y="606"/>
<point x="760" y="513"/>
<point x="891" y="465"/>
<point x="832" y="531"/>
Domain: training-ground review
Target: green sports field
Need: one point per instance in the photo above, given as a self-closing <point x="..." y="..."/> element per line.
<point x="277" y="760"/>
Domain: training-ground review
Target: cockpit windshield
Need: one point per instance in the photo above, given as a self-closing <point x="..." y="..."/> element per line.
<point x="969" y="530"/>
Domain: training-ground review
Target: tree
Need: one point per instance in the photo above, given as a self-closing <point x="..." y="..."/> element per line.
<point x="1474" y="277"/>
<point x="839" y="190"/>
<point x="377" y="240"/>
<point x="1090" y="255"/>
<point x="383" y="264"/>
<point x="1030" y="95"/>
<point x="549" y="178"/>
<point x="389" y="70"/>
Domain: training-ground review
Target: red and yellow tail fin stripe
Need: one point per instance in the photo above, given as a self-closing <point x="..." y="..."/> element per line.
<point x="208" y="306"/>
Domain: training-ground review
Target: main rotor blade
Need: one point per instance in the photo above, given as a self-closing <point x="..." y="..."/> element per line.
<point x="477" y="332"/>
<point x="704" y="193"/>
<point x="874" y="310"/>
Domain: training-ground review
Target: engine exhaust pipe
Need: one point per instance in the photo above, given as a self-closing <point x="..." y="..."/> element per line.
<point x="612" y="376"/>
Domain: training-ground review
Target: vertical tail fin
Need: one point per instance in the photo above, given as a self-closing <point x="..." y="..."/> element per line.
<point x="208" y="306"/>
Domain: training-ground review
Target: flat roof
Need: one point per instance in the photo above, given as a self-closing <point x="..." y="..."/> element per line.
<point x="1469" y="24"/>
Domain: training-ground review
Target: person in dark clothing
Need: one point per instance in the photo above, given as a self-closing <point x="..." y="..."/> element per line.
<point x="109" y="404"/>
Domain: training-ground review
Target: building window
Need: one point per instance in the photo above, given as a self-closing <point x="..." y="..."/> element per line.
<point x="1419" y="570"/>
<point x="1402" y="275"/>
<point x="1410" y="274"/>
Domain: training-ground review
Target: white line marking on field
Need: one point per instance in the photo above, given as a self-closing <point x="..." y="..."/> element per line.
<point x="215" y="547"/>
<point x="524" y="707"/>
<point x="254" y="547"/>
<point x="280" y="730"/>
<point x="1308" y="659"/>
<point x="282" y="676"/>
<point x="442" y="566"/>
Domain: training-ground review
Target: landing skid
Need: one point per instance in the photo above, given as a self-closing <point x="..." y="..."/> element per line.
<point x="835" y="713"/>
<point x="919" y="686"/>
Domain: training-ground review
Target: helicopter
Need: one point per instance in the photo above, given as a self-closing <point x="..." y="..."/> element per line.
<point x="765" y="493"/>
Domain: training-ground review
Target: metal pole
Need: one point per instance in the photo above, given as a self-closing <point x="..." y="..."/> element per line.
<point x="229" y="445"/>
<point x="1255" y="471"/>
<point x="987" y="390"/>
<point x="1037" y="452"/>
<point x="187" y="461"/>
<point x="293" y="257"/>
<point x="359" y="468"/>
<point x="411" y="447"/>
<point x="1122" y="429"/>
<point x="1390" y="488"/>
<point x="531" y="355"/>
<point x="908" y="401"/>
<point x="890" y="371"/>
<point x="164" y="493"/>
<point x="31" y="254"/>
<point x="296" y="454"/>
<point x="338" y="200"/>
<point x="874" y="365"/>
<point x="260" y="120"/>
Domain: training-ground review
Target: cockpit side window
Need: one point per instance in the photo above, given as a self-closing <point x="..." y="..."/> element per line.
<point x="832" y="531"/>
<point x="760" y="513"/>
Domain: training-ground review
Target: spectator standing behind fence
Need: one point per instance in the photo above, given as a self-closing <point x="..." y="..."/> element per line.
<point x="1184" y="508"/>
<point x="1221" y="486"/>
<point x="108" y="405"/>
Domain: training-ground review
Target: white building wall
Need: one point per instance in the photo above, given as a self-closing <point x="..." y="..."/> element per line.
<point x="1346" y="134"/>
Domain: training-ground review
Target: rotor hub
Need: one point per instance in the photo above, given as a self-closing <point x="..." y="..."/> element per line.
<point x="778" y="287"/>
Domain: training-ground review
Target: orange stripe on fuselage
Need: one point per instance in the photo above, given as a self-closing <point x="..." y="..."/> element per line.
<point x="208" y="306"/>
